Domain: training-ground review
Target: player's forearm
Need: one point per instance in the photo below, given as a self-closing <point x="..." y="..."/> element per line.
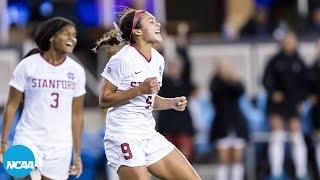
<point x="8" y="117"/>
<point x="77" y="128"/>
<point x="77" y="123"/>
<point x="161" y="103"/>
<point x="113" y="99"/>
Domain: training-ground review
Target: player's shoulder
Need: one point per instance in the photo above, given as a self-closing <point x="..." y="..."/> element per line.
<point x="125" y="52"/>
<point x="28" y="61"/>
<point x="157" y="55"/>
<point x="74" y="64"/>
<point x="31" y="58"/>
<point x="123" y="55"/>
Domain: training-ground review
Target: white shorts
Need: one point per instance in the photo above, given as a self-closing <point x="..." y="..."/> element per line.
<point x="231" y="141"/>
<point x="51" y="161"/>
<point x="135" y="152"/>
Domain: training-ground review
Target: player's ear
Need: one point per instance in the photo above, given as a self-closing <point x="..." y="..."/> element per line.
<point x="137" y="32"/>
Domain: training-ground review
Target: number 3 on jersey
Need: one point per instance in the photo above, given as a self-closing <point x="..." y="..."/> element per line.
<point x="55" y="102"/>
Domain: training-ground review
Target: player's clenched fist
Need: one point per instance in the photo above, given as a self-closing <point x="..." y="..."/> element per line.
<point x="149" y="86"/>
<point x="180" y="103"/>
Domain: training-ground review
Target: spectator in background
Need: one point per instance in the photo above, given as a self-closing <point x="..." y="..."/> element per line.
<point x="229" y="129"/>
<point x="286" y="85"/>
<point x="182" y="43"/>
<point x="315" y="24"/>
<point x="314" y="75"/>
<point x="258" y="26"/>
<point x="198" y="118"/>
<point x="177" y="127"/>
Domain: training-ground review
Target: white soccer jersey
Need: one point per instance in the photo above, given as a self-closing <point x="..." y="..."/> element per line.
<point x="48" y="94"/>
<point x="127" y="69"/>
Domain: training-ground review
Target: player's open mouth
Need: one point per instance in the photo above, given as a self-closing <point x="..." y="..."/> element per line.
<point x="69" y="44"/>
<point x="158" y="31"/>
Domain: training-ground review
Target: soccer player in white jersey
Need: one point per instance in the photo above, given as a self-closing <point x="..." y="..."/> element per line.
<point x="132" y="78"/>
<point x="53" y="87"/>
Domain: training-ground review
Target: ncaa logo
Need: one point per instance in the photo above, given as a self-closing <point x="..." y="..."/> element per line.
<point x="70" y="76"/>
<point x="18" y="161"/>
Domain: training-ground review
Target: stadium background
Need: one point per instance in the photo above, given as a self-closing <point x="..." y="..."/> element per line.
<point x="243" y="32"/>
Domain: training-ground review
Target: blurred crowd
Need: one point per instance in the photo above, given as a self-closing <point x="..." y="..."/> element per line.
<point x="218" y="129"/>
<point x="289" y="109"/>
<point x="263" y="19"/>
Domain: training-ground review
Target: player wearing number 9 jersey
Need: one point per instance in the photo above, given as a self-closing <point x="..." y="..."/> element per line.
<point x="128" y="69"/>
<point x="53" y="86"/>
<point x="132" y="78"/>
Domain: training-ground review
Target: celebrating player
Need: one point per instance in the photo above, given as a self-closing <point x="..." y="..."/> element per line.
<point x="52" y="87"/>
<point x="132" y="79"/>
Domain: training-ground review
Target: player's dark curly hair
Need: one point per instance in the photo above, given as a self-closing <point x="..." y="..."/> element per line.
<point x="47" y="30"/>
<point x="110" y="40"/>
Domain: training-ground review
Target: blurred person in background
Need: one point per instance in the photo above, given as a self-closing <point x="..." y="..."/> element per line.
<point x="182" y="48"/>
<point x="51" y="86"/>
<point x="177" y="127"/>
<point x="314" y="75"/>
<point x="200" y="114"/>
<point x="315" y="21"/>
<point x="285" y="80"/>
<point x="229" y="129"/>
<point x="258" y="26"/>
<point x="132" y="79"/>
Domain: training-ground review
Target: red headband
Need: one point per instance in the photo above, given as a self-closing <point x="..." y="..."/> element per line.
<point x="136" y="17"/>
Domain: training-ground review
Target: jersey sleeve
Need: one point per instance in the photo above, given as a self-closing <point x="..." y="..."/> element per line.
<point x="161" y="72"/>
<point x="19" y="77"/>
<point x="80" y="87"/>
<point x="115" y="71"/>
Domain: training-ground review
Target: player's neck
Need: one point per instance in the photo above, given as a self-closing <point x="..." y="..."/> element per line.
<point x="53" y="57"/>
<point x="144" y="49"/>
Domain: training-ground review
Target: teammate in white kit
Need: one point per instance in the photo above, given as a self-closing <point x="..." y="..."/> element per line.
<point x="53" y="87"/>
<point x="132" y="79"/>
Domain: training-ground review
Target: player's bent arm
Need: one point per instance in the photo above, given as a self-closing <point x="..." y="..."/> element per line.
<point x="77" y="123"/>
<point x="161" y="103"/>
<point x="14" y="99"/>
<point x="177" y="103"/>
<point x="109" y="96"/>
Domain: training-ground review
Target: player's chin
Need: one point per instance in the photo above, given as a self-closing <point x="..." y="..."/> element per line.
<point x="68" y="49"/>
<point x="158" y="39"/>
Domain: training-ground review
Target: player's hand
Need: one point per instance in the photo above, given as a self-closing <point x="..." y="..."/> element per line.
<point x="149" y="86"/>
<point x="76" y="168"/>
<point x="180" y="103"/>
<point x="4" y="147"/>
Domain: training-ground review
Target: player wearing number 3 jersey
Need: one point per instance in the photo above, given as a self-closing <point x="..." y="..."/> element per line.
<point x="132" y="78"/>
<point x="53" y="87"/>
